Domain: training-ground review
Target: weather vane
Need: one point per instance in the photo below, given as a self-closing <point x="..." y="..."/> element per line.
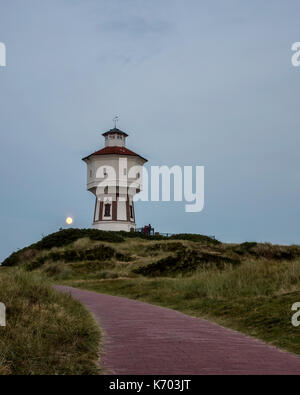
<point x="116" y="119"/>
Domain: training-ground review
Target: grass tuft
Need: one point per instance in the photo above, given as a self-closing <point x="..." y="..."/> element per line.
<point x="47" y="333"/>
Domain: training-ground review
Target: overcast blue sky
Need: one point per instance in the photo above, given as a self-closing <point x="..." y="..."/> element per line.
<point x="195" y="83"/>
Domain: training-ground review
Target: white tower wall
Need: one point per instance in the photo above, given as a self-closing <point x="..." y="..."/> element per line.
<point x="114" y="176"/>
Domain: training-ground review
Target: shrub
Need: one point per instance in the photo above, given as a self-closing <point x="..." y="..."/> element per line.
<point x="267" y="251"/>
<point x="248" y="245"/>
<point x="244" y="248"/>
<point x="36" y="264"/>
<point x="68" y="236"/>
<point x="55" y="269"/>
<point x="100" y="253"/>
<point x="61" y="239"/>
<point x="123" y="257"/>
<point x="19" y="256"/>
<point x="186" y="261"/>
<point x="174" y="246"/>
<point x="195" y="237"/>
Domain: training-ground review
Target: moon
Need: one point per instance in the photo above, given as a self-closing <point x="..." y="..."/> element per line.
<point x="69" y="220"/>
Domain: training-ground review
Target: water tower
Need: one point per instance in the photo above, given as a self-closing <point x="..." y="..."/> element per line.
<point x="114" y="176"/>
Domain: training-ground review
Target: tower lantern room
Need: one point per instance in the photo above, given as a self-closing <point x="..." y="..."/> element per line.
<point x="114" y="176"/>
<point x="115" y="138"/>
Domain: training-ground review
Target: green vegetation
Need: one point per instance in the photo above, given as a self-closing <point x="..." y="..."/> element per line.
<point x="47" y="332"/>
<point x="195" y="237"/>
<point x="249" y="287"/>
<point x="185" y="261"/>
<point x="67" y="236"/>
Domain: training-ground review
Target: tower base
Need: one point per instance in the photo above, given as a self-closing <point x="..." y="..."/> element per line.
<point x="115" y="226"/>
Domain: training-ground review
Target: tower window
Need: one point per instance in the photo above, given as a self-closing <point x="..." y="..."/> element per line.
<point x="106" y="190"/>
<point x="131" y="211"/>
<point x="104" y="171"/>
<point x="107" y="210"/>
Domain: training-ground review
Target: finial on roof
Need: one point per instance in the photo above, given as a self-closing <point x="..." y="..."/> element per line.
<point x="115" y="120"/>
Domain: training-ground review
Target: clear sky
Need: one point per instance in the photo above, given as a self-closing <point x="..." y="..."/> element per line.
<point x="194" y="82"/>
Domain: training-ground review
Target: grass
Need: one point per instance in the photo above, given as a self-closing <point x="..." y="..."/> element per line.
<point x="249" y="287"/>
<point x="47" y="333"/>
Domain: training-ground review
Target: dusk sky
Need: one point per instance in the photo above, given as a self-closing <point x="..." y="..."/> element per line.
<point x="195" y="83"/>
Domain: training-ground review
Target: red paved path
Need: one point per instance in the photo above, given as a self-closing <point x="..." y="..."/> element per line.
<point x="141" y="338"/>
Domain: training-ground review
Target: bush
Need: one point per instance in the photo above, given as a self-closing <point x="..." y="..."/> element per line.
<point x="185" y="261"/>
<point x="123" y="257"/>
<point x="174" y="246"/>
<point x="244" y="248"/>
<point x="267" y="251"/>
<point x="60" y="239"/>
<point x="270" y="252"/>
<point x="100" y="253"/>
<point x="14" y="258"/>
<point x="195" y="237"/>
<point x="68" y="236"/>
<point x="55" y="269"/>
<point x="248" y="245"/>
<point x="36" y="264"/>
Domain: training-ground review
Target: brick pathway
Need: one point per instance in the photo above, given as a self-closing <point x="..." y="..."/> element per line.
<point x="141" y="338"/>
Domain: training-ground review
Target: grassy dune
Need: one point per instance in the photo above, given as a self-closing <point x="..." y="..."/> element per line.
<point x="249" y="287"/>
<point x="46" y="333"/>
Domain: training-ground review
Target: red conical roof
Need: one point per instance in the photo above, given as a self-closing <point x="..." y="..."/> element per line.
<point x="115" y="150"/>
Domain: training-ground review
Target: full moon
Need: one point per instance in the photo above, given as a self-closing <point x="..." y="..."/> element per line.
<point x="69" y="220"/>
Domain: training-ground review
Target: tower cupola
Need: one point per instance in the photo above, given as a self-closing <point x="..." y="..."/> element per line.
<point x="115" y="138"/>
